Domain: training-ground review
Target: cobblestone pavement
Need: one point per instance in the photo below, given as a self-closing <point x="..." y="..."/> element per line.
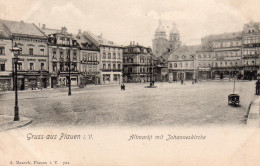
<point x="169" y="104"/>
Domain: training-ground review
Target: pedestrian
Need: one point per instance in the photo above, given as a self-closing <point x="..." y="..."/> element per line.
<point x="257" y="87"/>
<point x="182" y="82"/>
<point x="123" y="86"/>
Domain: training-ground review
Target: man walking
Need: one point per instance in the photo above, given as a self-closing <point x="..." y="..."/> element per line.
<point x="257" y="87"/>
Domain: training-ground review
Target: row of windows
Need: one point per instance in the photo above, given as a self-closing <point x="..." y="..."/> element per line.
<point x="109" y="55"/>
<point x="27" y="39"/>
<point x="90" y="68"/>
<point x="228" y="54"/>
<point x="251" y="51"/>
<point x="31" y="66"/>
<point x="64" y="67"/>
<point x="90" y="57"/>
<point x="226" y="63"/>
<point x="227" y="44"/>
<point x="138" y="70"/>
<point x="108" y="66"/>
<point x="181" y="65"/>
<point x="62" y="56"/>
<point x="249" y="40"/>
<point x="184" y="56"/>
<point x="204" y="56"/>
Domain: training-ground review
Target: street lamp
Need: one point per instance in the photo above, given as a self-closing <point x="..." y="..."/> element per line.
<point x="69" y="80"/>
<point x="16" y="51"/>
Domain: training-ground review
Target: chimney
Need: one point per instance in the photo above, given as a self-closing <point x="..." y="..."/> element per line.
<point x="133" y="42"/>
<point x="43" y="26"/>
<point x="79" y="31"/>
<point x="130" y="43"/>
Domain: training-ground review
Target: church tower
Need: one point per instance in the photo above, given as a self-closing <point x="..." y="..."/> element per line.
<point x="174" y="39"/>
<point x="160" y="43"/>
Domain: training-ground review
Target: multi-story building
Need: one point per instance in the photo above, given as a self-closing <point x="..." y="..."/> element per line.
<point x="161" y="44"/>
<point x="251" y="50"/>
<point x="33" y="61"/>
<point x="204" y="58"/>
<point x="6" y="81"/>
<point x="111" y="58"/>
<point x="181" y="63"/>
<point x="137" y="61"/>
<point x="89" y="61"/>
<point x="63" y="50"/>
<point x="227" y="54"/>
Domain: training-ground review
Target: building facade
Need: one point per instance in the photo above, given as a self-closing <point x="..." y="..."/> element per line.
<point x="90" y="65"/>
<point x="251" y="50"/>
<point x="181" y="63"/>
<point x="63" y="53"/>
<point x="111" y="58"/>
<point x="136" y="63"/>
<point x="33" y="61"/>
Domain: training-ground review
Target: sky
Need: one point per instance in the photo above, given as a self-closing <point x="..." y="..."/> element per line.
<point x="123" y="21"/>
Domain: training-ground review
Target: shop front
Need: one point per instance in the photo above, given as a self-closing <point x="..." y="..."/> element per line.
<point x="250" y="72"/>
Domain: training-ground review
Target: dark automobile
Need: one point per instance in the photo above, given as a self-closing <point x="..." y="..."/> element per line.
<point x="233" y="99"/>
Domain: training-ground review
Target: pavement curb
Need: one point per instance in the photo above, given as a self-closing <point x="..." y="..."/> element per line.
<point x="253" y="113"/>
<point x="7" y="126"/>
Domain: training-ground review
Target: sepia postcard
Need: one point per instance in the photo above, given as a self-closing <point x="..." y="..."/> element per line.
<point x="129" y="83"/>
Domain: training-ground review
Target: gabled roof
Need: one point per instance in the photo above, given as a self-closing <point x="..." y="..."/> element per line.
<point x="99" y="40"/>
<point x="84" y="43"/>
<point x="49" y="31"/>
<point x="184" y="53"/>
<point x="222" y="36"/>
<point x="22" y="28"/>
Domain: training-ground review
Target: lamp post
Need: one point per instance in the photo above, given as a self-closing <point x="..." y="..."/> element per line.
<point x="16" y="51"/>
<point x="69" y="80"/>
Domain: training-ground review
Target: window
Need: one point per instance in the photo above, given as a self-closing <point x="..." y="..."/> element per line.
<point x="119" y="66"/>
<point x="31" y="51"/>
<point x="42" y="66"/>
<point x="61" y="67"/>
<point x="54" y="56"/>
<point x="54" y="66"/>
<point x="175" y="65"/>
<point x="114" y="55"/>
<point x="104" y="66"/>
<point x="109" y="56"/>
<point x="2" y="50"/>
<point x="61" y="55"/>
<point x="19" y="66"/>
<point x="89" y="56"/>
<point x="94" y="56"/>
<point x="118" y="56"/>
<point x="199" y="56"/>
<point x="31" y="66"/>
<point x="74" y="66"/>
<point x="2" y="67"/>
<point x="115" y="77"/>
<point x="114" y="66"/>
<point x="74" y="55"/>
<point x="41" y="51"/>
<point x="104" y="55"/>
<point x="109" y="66"/>
<point x="94" y="68"/>
<point x="170" y="65"/>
